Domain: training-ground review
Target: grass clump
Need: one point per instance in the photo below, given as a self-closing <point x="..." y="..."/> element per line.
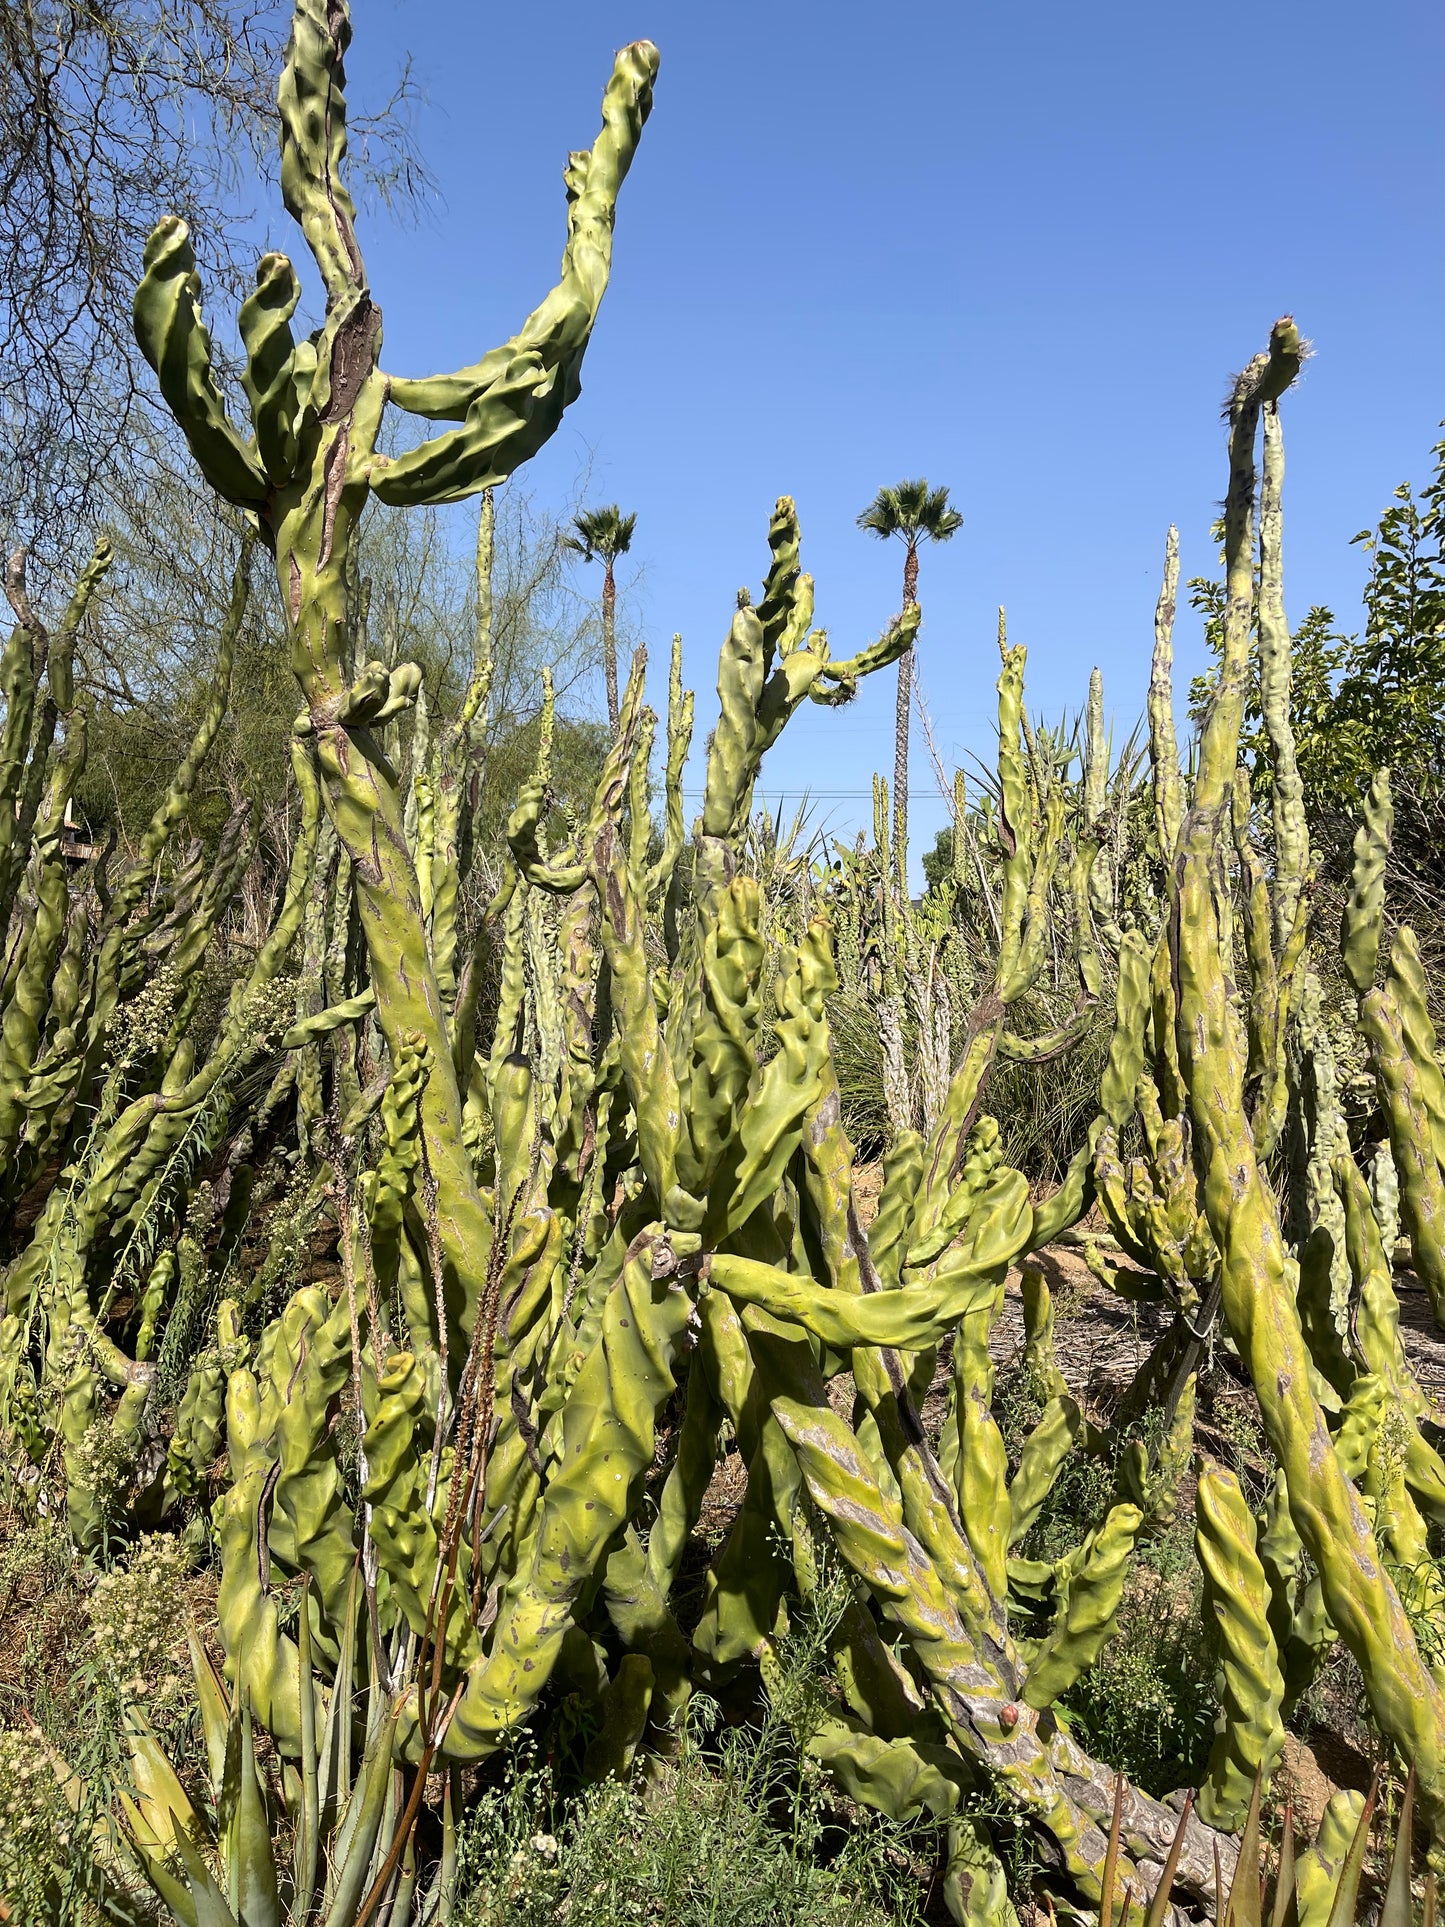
<point x="722" y="1835"/>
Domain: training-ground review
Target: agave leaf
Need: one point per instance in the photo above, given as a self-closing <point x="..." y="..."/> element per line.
<point x="1159" y="1905"/>
<point x="1399" y="1907"/>
<point x="175" y="1893"/>
<point x="163" y="1811"/>
<point x="215" y="1704"/>
<point x="1342" y="1913"/>
<point x="196" y="1901"/>
<point x="1246" y="1893"/>
<point x="334" y="1784"/>
<point x="1286" y="1900"/>
<point x="361" y="1822"/>
<point x="308" y="1826"/>
<point x="254" y="1875"/>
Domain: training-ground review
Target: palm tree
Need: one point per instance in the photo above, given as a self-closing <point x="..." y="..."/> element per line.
<point x="602" y="535"/>
<point x="911" y="511"/>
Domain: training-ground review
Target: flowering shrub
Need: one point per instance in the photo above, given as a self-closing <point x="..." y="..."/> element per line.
<point x="137" y="1624"/>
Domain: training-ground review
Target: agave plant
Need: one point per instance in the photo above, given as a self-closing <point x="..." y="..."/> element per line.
<point x="342" y="1806"/>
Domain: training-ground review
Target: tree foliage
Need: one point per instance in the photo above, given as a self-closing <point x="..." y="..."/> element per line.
<point x="113" y="112"/>
<point x="1374" y="700"/>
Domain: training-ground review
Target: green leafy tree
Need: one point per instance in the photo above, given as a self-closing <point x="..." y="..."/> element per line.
<point x="113" y="112"/>
<point x="601" y="535"/>
<point x="914" y="513"/>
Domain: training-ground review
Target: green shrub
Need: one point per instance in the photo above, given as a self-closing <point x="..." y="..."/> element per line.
<point x="729" y="1833"/>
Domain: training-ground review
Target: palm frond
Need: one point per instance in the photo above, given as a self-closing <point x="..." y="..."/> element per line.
<point x="604" y="532"/>
<point x="912" y="510"/>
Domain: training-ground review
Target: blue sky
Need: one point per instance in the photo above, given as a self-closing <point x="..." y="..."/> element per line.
<point x="1015" y="249"/>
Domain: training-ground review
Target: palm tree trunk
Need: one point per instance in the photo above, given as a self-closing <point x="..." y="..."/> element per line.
<point x="900" y="765"/>
<point x="609" y="641"/>
<point x="901" y="719"/>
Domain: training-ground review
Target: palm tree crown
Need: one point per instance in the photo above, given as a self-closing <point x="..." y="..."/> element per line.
<point x="911" y="511"/>
<point x="602" y="534"/>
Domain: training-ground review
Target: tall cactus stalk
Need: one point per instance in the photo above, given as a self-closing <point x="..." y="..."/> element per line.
<point x="1257" y="1275"/>
<point x="305" y="476"/>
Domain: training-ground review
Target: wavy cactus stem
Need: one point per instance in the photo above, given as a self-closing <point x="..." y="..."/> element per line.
<point x="1259" y="1280"/>
<point x="639" y="1188"/>
<point x="310" y="465"/>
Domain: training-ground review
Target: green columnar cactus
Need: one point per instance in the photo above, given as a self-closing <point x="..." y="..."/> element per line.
<point x="1249" y="1734"/>
<point x="1089" y="1585"/>
<point x="107" y="1198"/>
<point x="1041" y="1366"/>
<point x="972" y="1452"/>
<point x="312" y="463"/>
<point x="1256" y="1275"/>
<point x="25" y="738"/>
<point x="1396" y="1022"/>
<point x="1291" y="832"/>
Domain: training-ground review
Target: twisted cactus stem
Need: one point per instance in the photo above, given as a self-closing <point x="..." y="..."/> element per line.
<point x="1291" y="830"/>
<point x="1364" y="913"/>
<point x="25" y="751"/>
<point x="975" y="1686"/>
<point x="1163" y="742"/>
<point x="1257" y="1276"/>
<point x="1396" y="1022"/>
<point x="30" y="998"/>
<point x="1249" y="1734"/>
<point x="317" y="408"/>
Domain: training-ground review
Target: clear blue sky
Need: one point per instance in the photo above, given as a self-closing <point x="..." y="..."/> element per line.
<point x="1016" y="249"/>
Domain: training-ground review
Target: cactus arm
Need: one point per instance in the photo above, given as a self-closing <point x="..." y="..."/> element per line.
<point x="1261" y="384"/>
<point x="1071" y="1202"/>
<point x="680" y="1505"/>
<point x="771" y="1123"/>
<point x="1088" y="1608"/>
<point x="25" y="1011"/>
<point x="1249" y="1734"/>
<point x="1410" y="991"/>
<point x="1319" y="1870"/>
<point x="1262" y="1009"/>
<point x="1052" y="1781"/>
<point x="981" y="1469"/>
<point x="904" y="1321"/>
<point x="1377" y="1333"/>
<point x="311" y="98"/>
<point x="511" y="402"/>
<point x="608" y="1436"/>
<point x="174" y="340"/>
<point x="1049" y="1044"/>
<point x="18" y="826"/>
<point x="173" y="805"/>
<point x="744" y="1602"/>
<point x="1291" y="831"/>
<point x="19" y="673"/>
<point x="902" y="1778"/>
<point x="679" y="741"/>
<point x="1058" y="1431"/>
<point x="836" y="681"/>
<point x="269" y="376"/>
<point x="1404" y="1084"/>
<point x="1364" y="910"/>
<point x="642" y="1619"/>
